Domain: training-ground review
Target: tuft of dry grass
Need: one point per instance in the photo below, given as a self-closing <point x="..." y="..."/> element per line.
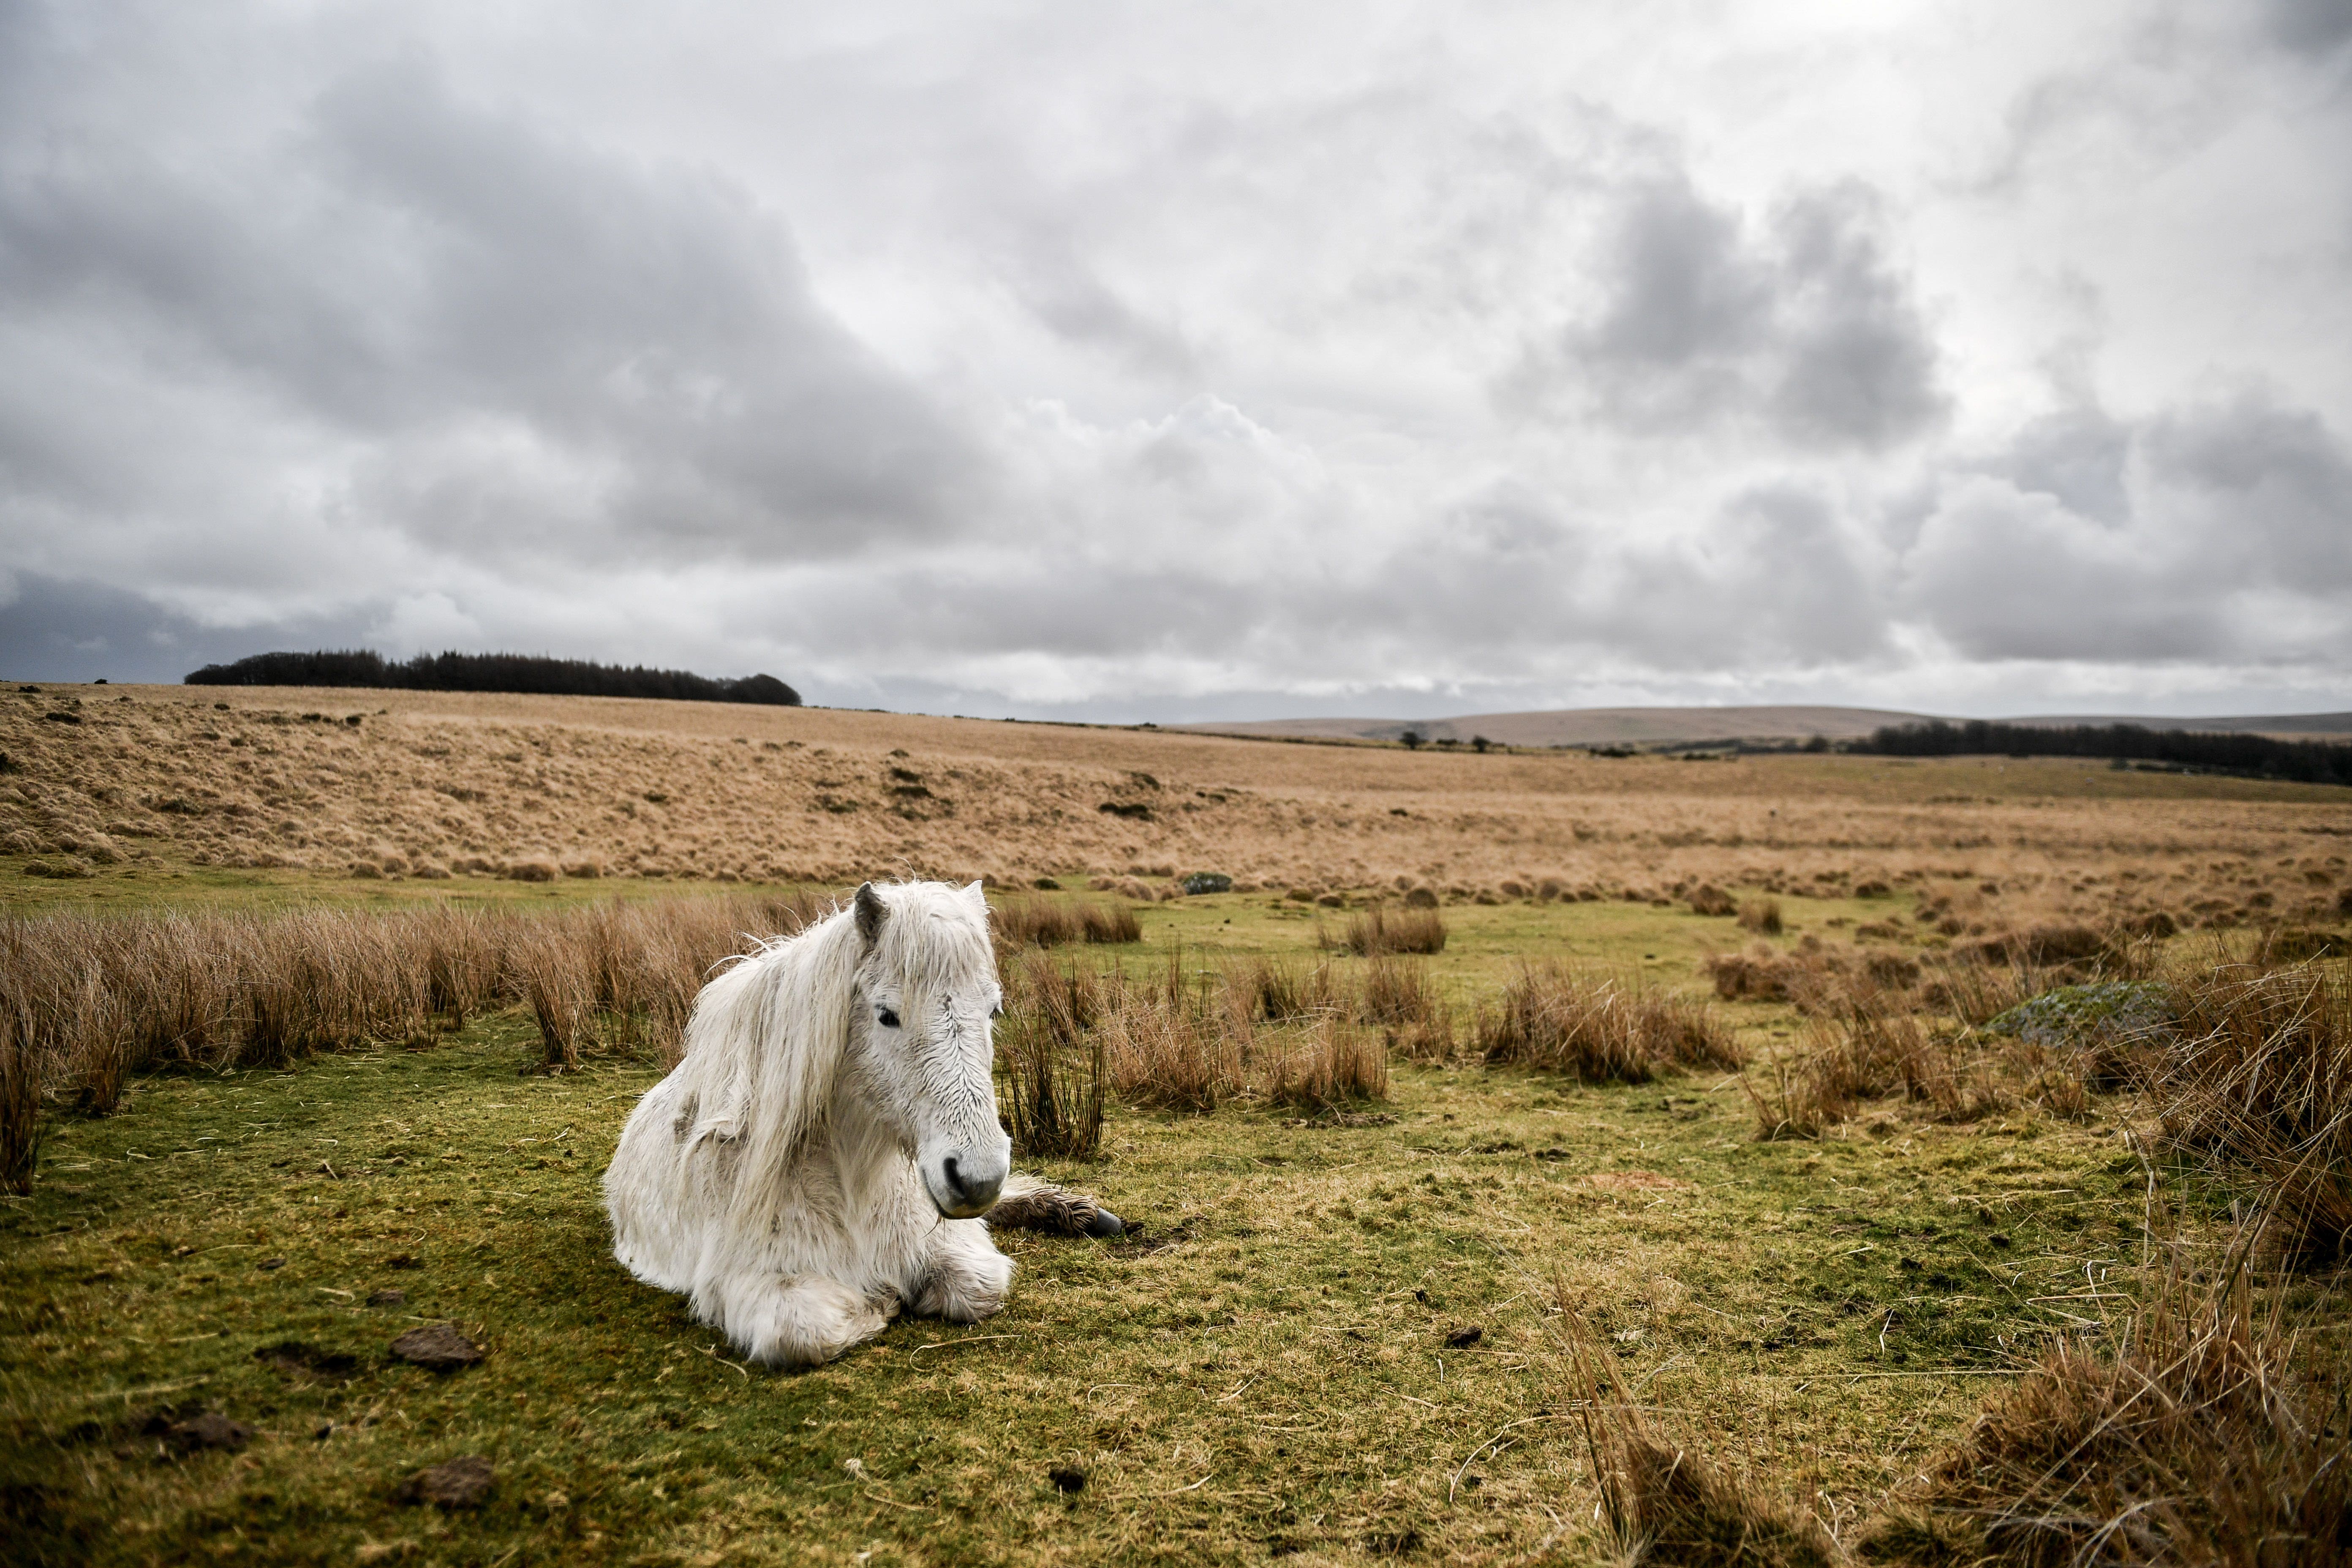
<point x="1661" y="1502"/>
<point x="1400" y="999"/>
<point x="2183" y="1435"/>
<point x="1032" y="921"/>
<point x="1868" y="1048"/>
<point x="93" y="1001"/>
<point x="2257" y="1072"/>
<point x="1052" y="1062"/>
<point x="1383" y="931"/>
<point x="21" y="1125"/>
<point x="1599" y="1029"/>
<point x="1706" y="898"/>
<point x="1328" y="1063"/>
<point x="1761" y="916"/>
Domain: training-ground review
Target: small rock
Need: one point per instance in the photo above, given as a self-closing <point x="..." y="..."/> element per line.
<point x="439" y="1347"/>
<point x="387" y="1298"/>
<point x="1067" y="1479"/>
<point x="269" y="1263"/>
<point x="403" y="1260"/>
<point x="1463" y="1339"/>
<point x="461" y="1483"/>
<point x="326" y="1429"/>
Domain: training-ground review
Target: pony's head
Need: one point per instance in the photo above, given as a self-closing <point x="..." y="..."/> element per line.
<point x="920" y="1035"/>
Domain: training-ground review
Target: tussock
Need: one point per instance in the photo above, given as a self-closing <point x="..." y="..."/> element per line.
<point x="1380" y="931"/>
<point x="1661" y="1502"/>
<point x="1402" y="1002"/>
<point x="1195" y="1040"/>
<point x="2185" y="1435"/>
<point x="1599" y="1029"/>
<point x="1873" y="1047"/>
<point x="1031" y="922"/>
<point x="92" y="1001"/>
<point x="2256" y="1071"/>
<point x="1050" y="1062"/>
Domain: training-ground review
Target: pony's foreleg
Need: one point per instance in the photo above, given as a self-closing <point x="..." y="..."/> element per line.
<point x="802" y="1321"/>
<point x="965" y="1279"/>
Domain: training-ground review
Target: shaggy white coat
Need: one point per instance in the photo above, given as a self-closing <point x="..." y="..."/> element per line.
<point x="795" y="1175"/>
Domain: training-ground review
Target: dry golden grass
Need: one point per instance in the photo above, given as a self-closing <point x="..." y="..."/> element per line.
<point x="1599" y="1029"/>
<point x="432" y="784"/>
<point x="1379" y="930"/>
<point x="1027" y="922"/>
<point x="1663" y="1499"/>
<point x="89" y="1002"/>
<point x="2186" y="1434"/>
<point x="2256" y="1071"/>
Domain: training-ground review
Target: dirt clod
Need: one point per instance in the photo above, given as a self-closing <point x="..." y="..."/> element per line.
<point x="1463" y="1339"/>
<point x="387" y="1298"/>
<point x="439" y="1347"/>
<point x="1067" y="1479"/>
<point x="461" y="1483"/>
<point x="296" y="1358"/>
<point x="191" y="1432"/>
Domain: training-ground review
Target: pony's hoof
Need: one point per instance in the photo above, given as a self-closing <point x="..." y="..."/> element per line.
<point x="1106" y="1223"/>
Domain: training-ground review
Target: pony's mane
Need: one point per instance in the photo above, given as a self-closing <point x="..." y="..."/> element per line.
<point x="764" y="1045"/>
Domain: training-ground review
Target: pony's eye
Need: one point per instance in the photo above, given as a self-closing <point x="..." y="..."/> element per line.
<point x="887" y="1019"/>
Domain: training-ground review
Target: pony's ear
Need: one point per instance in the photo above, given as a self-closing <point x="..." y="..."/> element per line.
<point x="870" y="913"/>
<point x="978" y="894"/>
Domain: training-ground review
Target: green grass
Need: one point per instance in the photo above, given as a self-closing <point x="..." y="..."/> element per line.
<point x="1261" y="1372"/>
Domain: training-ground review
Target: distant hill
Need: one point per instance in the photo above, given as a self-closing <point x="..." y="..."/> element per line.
<point x="1704" y="726"/>
<point x="1592" y="726"/>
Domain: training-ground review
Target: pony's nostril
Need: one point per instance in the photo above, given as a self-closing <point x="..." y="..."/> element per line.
<point x="955" y="1181"/>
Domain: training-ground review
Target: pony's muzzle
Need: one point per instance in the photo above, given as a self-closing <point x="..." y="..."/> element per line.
<point x="966" y="1182"/>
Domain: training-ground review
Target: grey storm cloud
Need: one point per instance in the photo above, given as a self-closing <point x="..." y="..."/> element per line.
<point x="2219" y="532"/>
<point x="1055" y="358"/>
<point x="1799" y="324"/>
<point x="540" y="345"/>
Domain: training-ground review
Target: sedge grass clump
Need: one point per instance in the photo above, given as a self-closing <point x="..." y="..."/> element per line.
<point x="1032" y="921"/>
<point x="1599" y="1029"/>
<point x="1324" y="1064"/>
<point x="98" y="1000"/>
<point x="1401" y="1000"/>
<point x="1377" y="931"/>
<point x="1051" y="1060"/>
<point x="1277" y="990"/>
<point x="1662" y="1501"/>
<point x="1872" y="1048"/>
<point x="21" y="1125"/>
<point x="2256" y="1072"/>
<point x="2185" y="1434"/>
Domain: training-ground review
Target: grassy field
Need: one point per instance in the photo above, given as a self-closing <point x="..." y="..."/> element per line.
<point x="1278" y="1361"/>
<point x="117" y="794"/>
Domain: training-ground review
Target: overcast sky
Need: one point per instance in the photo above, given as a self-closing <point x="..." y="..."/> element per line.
<point x="1122" y="361"/>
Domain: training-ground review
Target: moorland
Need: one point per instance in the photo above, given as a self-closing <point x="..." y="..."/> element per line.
<point x="1688" y="1184"/>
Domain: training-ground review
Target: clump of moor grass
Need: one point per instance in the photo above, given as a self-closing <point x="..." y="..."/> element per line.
<point x="1050" y="1059"/>
<point x="1380" y="931"/>
<point x="1868" y="1046"/>
<point x="1662" y="1501"/>
<point x="1401" y="1000"/>
<point x="1032" y="921"/>
<point x="2183" y="1434"/>
<point x="2255" y="1071"/>
<point x="95" y="1001"/>
<point x="1599" y="1029"/>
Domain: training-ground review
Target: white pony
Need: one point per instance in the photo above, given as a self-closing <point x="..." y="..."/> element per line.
<point x="818" y="1160"/>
